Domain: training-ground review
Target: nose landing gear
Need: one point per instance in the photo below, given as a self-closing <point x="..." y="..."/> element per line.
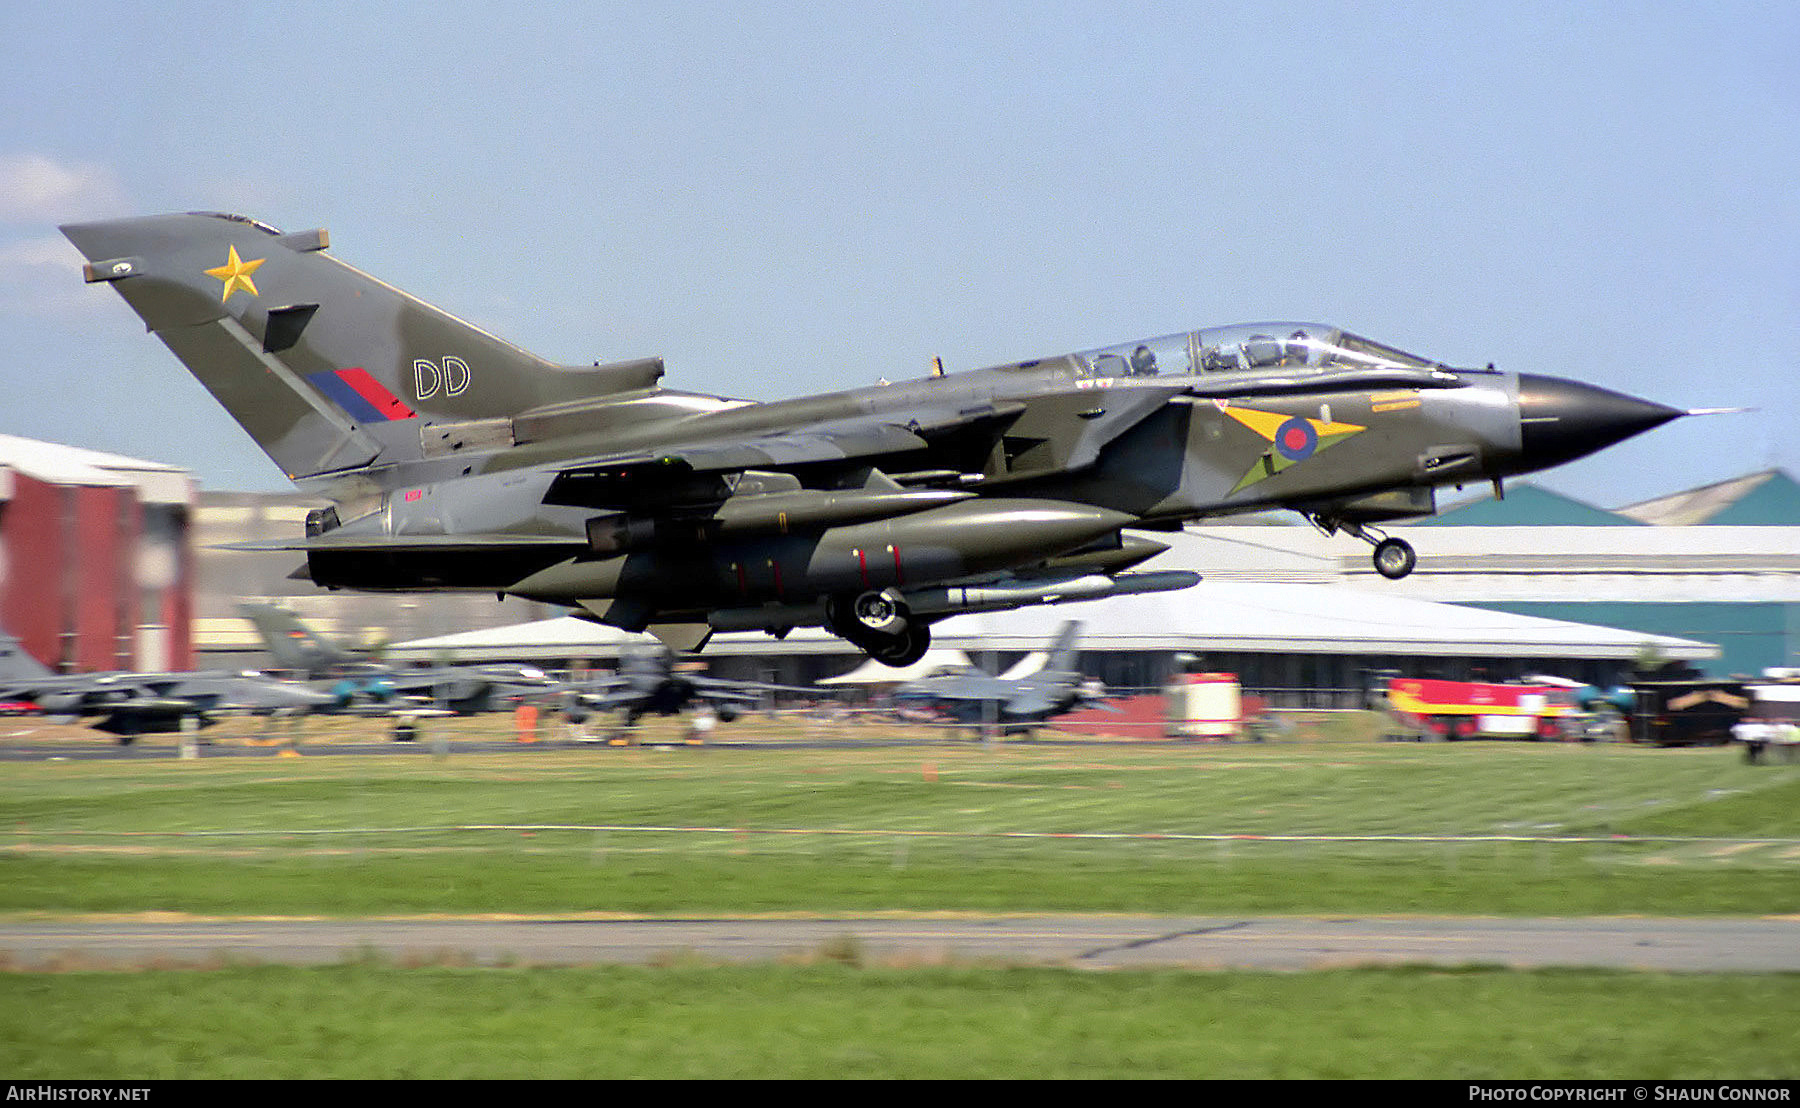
<point x="1394" y="558"/>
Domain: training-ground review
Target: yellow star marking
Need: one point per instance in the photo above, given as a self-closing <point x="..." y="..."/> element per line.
<point x="1267" y="423"/>
<point x="236" y="275"/>
<point x="1326" y="433"/>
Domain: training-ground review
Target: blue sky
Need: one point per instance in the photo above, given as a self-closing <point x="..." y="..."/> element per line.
<point x="789" y="198"/>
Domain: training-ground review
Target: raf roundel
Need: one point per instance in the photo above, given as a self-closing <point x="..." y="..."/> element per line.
<point x="1296" y="439"/>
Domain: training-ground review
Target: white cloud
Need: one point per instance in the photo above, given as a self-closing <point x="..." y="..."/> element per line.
<point x="40" y="273"/>
<point x="34" y="189"/>
<point x="41" y="278"/>
<point x="28" y="253"/>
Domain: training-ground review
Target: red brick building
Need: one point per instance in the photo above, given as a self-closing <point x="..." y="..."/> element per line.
<point x="96" y="571"/>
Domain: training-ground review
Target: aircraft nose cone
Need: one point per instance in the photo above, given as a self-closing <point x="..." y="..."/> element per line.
<point x="1561" y="420"/>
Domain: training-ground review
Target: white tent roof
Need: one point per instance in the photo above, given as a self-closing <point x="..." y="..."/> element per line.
<point x="1305" y="619"/>
<point x="872" y="672"/>
<point x="565" y="637"/>
<point x="1211" y="616"/>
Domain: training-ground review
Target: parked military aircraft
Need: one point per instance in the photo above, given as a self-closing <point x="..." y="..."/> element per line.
<point x="133" y="704"/>
<point x="355" y="681"/>
<point x="648" y="682"/>
<point x="456" y="461"/>
<point x="974" y="698"/>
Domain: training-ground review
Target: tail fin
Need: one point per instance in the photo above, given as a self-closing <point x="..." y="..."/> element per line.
<point x="292" y="643"/>
<point x="654" y="662"/>
<point x="1062" y="648"/>
<point x="16" y="665"/>
<point x="327" y="368"/>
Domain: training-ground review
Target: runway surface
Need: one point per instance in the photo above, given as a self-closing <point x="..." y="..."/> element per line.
<point x="1089" y="942"/>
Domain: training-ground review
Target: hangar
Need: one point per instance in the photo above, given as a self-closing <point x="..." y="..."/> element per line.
<point x="1293" y="612"/>
<point x="1311" y="645"/>
<point x="1297" y="615"/>
<point x="1719" y="563"/>
<point x="96" y="571"/>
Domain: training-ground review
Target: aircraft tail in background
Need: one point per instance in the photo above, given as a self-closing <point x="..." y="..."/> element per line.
<point x="292" y="643"/>
<point x="18" y="665"/>
<point x="1062" y="648"/>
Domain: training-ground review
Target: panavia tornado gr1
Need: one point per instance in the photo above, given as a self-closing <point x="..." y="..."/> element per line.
<point x="455" y="461"/>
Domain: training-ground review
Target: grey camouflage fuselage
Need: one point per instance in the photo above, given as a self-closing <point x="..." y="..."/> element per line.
<point x="457" y="461"/>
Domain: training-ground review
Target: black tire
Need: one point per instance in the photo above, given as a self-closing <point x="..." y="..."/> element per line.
<point x="1395" y="558"/>
<point x="902" y="649"/>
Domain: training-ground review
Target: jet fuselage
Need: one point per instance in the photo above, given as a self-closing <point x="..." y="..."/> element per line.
<point x="457" y="461"/>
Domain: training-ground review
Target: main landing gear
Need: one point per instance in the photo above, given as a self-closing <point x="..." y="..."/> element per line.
<point x="879" y="622"/>
<point x="1394" y="558"/>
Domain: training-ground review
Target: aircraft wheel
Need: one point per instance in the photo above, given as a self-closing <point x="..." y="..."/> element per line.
<point x="902" y="649"/>
<point x="880" y="613"/>
<point x="1395" y="558"/>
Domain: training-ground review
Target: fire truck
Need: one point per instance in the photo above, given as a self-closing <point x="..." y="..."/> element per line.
<point x="1471" y="710"/>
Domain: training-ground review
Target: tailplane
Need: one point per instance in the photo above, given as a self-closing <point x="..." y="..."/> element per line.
<point x="327" y="368"/>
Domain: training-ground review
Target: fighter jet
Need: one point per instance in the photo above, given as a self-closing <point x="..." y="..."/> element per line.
<point x="971" y="697"/>
<point x="357" y="683"/>
<point x="455" y="461"/>
<point x="649" y="683"/>
<point x="131" y="704"/>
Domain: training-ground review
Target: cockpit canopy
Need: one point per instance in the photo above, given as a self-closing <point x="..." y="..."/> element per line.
<point x="1245" y="348"/>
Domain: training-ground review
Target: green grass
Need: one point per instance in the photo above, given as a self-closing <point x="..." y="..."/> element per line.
<point x="1497" y="828"/>
<point x="1675" y="832"/>
<point x="365" y="1020"/>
